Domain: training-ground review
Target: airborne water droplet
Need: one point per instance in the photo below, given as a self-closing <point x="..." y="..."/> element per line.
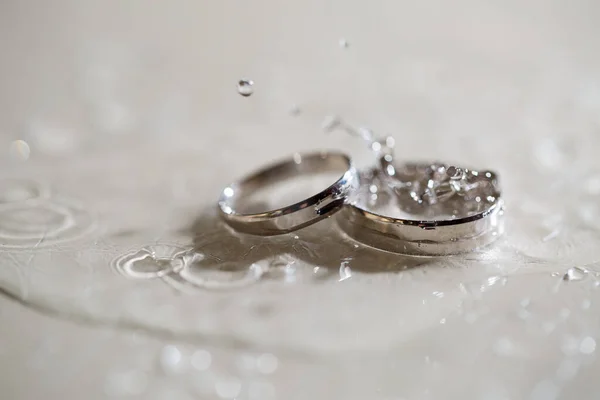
<point x="245" y="87"/>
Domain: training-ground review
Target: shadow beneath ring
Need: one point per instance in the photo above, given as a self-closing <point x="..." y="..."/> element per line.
<point x="322" y="245"/>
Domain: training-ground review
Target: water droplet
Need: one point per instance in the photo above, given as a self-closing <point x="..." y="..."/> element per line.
<point x="245" y="87"/>
<point x="525" y="302"/>
<point x="564" y="313"/>
<point x="344" y="43"/>
<point x="152" y="261"/>
<point x="228" y="388"/>
<point x="443" y="321"/>
<point x="267" y="363"/>
<point x="345" y="271"/>
<point x="587" y="345"/>
<point x="19" y="150"/>
<point x="575" y="274"/>
<point x="454" y="172"/>
<point x="390" y="170"/>
<point x="201" y="360"/>
<point x="295" y="110"/>
<point x="382" y="147"/>
<point x="171" y="360"/>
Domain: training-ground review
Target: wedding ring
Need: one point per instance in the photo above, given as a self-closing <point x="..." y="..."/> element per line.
<point x="240" y="212"/>
<point x="472" y="219"/>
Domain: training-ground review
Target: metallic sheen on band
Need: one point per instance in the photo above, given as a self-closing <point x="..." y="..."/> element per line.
<point x="233" y="207"/>
<point x="423" y="237"/>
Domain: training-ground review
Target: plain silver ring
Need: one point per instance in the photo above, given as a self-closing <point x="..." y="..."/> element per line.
<point x="422" y="237"/>
<point x="294" y="216"/>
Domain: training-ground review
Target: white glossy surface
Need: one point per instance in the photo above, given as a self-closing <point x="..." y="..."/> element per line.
<point x="132" y="122"/>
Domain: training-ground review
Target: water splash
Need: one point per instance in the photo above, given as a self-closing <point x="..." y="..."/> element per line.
<point x="152" y="261"/>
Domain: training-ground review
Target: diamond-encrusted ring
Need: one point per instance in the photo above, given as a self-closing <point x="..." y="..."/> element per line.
<point x="423" y="208"/>
<point x="243" y="214"/>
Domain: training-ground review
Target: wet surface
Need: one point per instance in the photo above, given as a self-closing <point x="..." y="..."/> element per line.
<point x="120" y="281"/>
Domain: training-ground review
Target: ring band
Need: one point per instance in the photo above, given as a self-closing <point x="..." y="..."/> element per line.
<point x="295" y="216"/>
<point x="423" y="238"/>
